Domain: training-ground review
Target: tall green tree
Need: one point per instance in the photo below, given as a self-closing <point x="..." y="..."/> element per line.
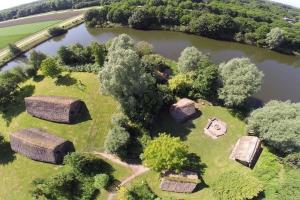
<point x="50" y="68"/>
<point x="240" y="79"/>
<point x="36" y="58"/>
<point x="165" y="153"/>
<point x="275" y="38"/>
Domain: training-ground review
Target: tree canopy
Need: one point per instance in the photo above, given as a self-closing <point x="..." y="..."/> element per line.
<point x="240" y="80"/>
<point x="165" y="153"/>
<point x="190" y="59"/>
<point x="278" y="124"/>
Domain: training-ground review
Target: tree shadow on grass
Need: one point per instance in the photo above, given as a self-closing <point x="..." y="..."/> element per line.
<point x="7" y="155"/>
<point x="243" y="111"/>
<point x="165" y="123"/>
<point x="38" y="78"/>
<point x="65" y="80"/>
<point x="17" y="107"/>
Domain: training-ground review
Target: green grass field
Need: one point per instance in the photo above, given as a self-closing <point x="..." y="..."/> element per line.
<point x="214" y="154"/>
<point x="17" y="171"/>
<point x="13" y="34"/>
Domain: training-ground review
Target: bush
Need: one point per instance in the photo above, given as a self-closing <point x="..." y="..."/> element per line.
<point x="165" y="153"/>
<point x="14" y="50"/>
<point x="232" y="185"/>
<point x="292" y="160"/>
<point x="139" y="191"/>
<point x="181" y="84"/>
<point x="116" y="140"/>
<point x="144" y="48"/>
<point x="56" y="31"/>
<point x="101" y="181"/>
<point x="50" y="68"/>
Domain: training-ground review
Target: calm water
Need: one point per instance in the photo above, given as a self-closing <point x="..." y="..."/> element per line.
<point x="282" y="72"/>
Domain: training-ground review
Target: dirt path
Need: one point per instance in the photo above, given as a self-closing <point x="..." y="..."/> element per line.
<point x="137" y="170"/>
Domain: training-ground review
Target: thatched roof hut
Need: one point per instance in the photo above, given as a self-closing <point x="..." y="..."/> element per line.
<point x="246" y="150"/>
<point x="40" y="145"/>
<point x="215" y="128"/>
<point x="183" y="109"/>
<point x="184" y="182"/>
<point x="54" y="108"/>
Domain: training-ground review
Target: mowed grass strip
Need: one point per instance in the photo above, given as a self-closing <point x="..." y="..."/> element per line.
<point x="17" y="171"/>
<point x="13" y="34"/>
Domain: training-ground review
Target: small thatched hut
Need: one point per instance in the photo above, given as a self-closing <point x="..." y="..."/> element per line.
<point x="184" y="182"/>
<point x="183" y="109"/>
<point x="215" y="128"/>
<point x="246" y="150"/>
<point x="54" y="108"/>
<point x="39" y="145"/>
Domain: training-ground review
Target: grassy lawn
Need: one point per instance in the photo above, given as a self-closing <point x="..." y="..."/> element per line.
<point x="214" y="154"/>
<point x="17" y="172"/>
<point x="13" y="34"/>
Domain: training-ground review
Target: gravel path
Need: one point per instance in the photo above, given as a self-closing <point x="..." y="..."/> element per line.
<point x="137" y="170"/>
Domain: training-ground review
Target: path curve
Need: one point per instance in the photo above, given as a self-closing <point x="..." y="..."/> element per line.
<point x="137" y="170"/>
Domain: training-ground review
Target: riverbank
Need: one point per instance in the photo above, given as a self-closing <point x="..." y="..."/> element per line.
<point x="38" y="38"/>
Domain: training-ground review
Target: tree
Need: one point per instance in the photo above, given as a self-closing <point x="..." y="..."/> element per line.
<point x="66" y="55"/>
<point x="190" y="59"/>
<point x="55" y="31"/>
<point x="278" y="124"/>
<point x="125" y="79"/>
<point x="14" y="50"/>
<point x="141" y="19"/>
<point x="99" y="52"/>
<point x="275" y="38"/>
<point x="116" y="139"/>
<point x="144" y="48"/>
<point x="181" y="84"/>
<point x="36" y="58"/>
<point x="232" y="185"/>
<point x="240" y="80"/>
<point x="49" y="68"/>
<point x="165" y="153"/>
<point x="101" y="181"/>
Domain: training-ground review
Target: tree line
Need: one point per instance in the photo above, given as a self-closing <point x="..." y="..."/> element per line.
<point x="257" y="22"/>
<point x="44" y="6"/>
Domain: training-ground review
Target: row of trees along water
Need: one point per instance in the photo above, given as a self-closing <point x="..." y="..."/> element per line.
<point x="260" y="23"/>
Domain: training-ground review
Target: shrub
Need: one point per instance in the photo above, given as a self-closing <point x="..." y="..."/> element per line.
<point x="181" y="84"/>
<point x="55" y="31"/>
<point x="232" y="185"/>
<point x="101" y="181"/>
<point x="165" y="153"/>
<point x="278" y="124"/>
<point x="137" y="192"/>
<point x="116" y="139"/>
<point x="14" y="50"/>
<point x="144" y="48"/>
<point x="292" y="160"/>
<point x="240" y="79"/>
<point x="50" y="68"/>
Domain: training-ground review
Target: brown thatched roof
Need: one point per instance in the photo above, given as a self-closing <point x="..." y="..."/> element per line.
<point x="215" y="128"/>
<point x="246" y="149"/>
<point x="54" y="108"/>
<point x="40" y="145"/>
<point x="183" y="109"/>
<point x="184" y="182"/>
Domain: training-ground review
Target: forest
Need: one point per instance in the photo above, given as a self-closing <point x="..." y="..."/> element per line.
<point x="258" y="23"/>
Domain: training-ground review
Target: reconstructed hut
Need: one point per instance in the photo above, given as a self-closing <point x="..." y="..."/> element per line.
<point x="215" y="128"/>
<point x="246" y="150"/>
<point x="40" y="145"/>
<point x="184" y="182"/>
<point x="54" y="108"/>
<point x="183" y="109"/>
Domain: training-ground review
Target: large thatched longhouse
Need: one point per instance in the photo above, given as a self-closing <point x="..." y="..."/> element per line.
<point x="184" y="182"/>
<point x="183" y="110"/>
<point x="246" y="150"/>
<point x="54" y="108"/>
<point x="40" y="145"/>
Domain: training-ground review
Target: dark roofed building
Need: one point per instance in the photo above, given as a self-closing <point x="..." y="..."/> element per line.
<point x="40" y="145"/>
<point x="54" y="108"/>
<point x="183" y="109"/>
<point x="246" y="150"/>
<point x="184" y="182"/>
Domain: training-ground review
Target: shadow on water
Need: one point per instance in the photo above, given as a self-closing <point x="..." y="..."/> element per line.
<point x="7" y="155"/>
<point x="18" y="106"/>
<point x="166" y="124"/>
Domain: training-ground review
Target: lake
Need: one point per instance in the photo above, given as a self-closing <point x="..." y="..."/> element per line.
<point x="282" y="72"/>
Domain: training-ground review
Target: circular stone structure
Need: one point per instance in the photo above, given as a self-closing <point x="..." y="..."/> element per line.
<point x="215" y="128"/>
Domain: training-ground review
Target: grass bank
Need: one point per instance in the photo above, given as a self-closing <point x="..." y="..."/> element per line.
<point x="17" y="171"/>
